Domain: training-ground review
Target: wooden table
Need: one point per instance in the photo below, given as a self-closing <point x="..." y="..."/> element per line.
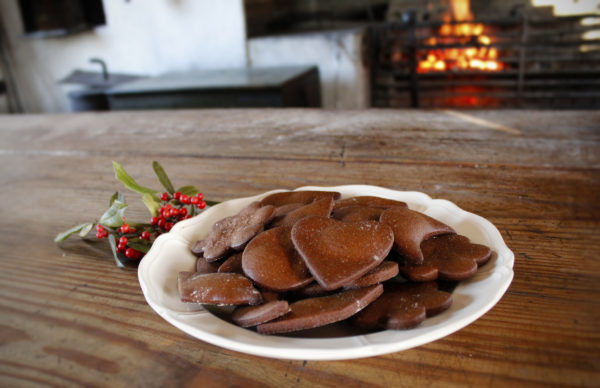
<point x="70" y="317"/>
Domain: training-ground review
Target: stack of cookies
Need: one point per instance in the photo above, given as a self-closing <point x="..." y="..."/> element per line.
<point x="303" y="259"/>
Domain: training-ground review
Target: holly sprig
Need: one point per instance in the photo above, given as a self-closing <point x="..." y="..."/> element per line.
<point x="130" y="241"/>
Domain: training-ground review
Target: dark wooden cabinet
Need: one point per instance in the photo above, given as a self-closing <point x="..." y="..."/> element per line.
<point x="47" y="18"/>
<point x="226" y="88"/>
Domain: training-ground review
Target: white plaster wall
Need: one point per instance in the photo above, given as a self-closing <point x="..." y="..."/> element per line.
<point x="344" y="78"/>
<point x="141" y="37"/>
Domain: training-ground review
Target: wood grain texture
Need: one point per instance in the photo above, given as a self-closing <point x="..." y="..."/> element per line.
<point x="70" y="317"/>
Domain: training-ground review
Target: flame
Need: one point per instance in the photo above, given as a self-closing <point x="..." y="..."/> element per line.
<point x="461" y="10"/>
<point x="477" y="57"/>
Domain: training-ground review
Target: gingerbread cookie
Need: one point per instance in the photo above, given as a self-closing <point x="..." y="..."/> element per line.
<point x="283" y="210"/>
<point x="337" y="252"/>
<point x="449" y="257"/>
<point x="248" y="316"/>
<point x="369" y="201"/>
<point x="198" y="248"/>
<point x="410" y="229"/>
<point x="271" y="261"/>
<point x="403" y="306"/>
<point x="302" y="196"/>
<point x="313" y="289"/>
<point x="320" y="207"/>
<point x="203" y="266"/>
<point x="320" y="311"/>
<point x="235" y="231"/>
<point x="232" y="264"/>
<point x="217" y="288"/>
<point x="384" y="271"/>
<point x="357" y="213"/>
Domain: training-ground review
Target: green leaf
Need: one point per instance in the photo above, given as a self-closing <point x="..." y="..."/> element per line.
<point x="163" y="177"/>
<point x="139" y="225"/>
<point x="129" y="182"/>
<point x="152" y="203"/>
<point x="188" y="190"/>
<point x="116" y="196"/>
<point x="211" y="203"/>
<point x="66" y="234"/>
<point x="113" y="217"/>
<point x="138" y="246"/>
<point x="113" y="248"/>
<point x="85" y="230"/>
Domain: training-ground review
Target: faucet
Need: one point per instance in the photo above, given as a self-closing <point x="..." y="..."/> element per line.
<point x="103" y="65"/>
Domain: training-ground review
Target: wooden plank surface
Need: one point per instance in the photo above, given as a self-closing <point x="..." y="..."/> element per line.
<point x="70" y="317"/>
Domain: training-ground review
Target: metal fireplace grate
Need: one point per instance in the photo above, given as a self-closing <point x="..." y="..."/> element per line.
<point x="544" y="64"/>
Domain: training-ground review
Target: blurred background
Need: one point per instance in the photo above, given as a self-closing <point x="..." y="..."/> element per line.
<point x="82" y="55"/>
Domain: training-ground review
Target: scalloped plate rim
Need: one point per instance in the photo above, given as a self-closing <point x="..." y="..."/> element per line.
<point x="207" y="327"/>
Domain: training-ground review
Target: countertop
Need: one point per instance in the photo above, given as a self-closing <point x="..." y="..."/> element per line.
<point x="71" y="317"/>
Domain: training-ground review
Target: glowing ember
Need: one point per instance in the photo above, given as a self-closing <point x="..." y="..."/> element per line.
<point x="478" y="57"/>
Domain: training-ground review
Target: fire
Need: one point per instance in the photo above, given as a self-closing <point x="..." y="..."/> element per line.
<point x="461" y="33"/>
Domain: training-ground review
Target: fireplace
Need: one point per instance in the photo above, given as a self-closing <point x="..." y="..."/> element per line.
<point x="524" y="60"/>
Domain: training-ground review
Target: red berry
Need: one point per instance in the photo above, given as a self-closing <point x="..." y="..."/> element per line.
<point x="105" y="233"/>
<point x="99" y="228"/>
<point x="131" y="230"/>
<point x="145" y="235"/>
<point x="165" y="209"/>
<point x="161" y="223"/>
<point x="182" y="212"/>
<point x="168" y="226"/>
<point x="188" y="216"/>
<point x="184" y="199"/>
<point x="123" y="240"/>
<point x="194" y="200"/>
<point x="200" y="196"/>
<point x="177" y="195"/>
<point x="124" y="228"/>
<point x="153" y="220"/>
<point x="121" y="247"/>
<point x="165" y="196"/>
<point x="99" y="234"/>
<point x="131" y="253"/>
<point x="201" y="205"/>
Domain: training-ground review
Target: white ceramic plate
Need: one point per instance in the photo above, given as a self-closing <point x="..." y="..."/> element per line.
<point x="171" y="254"/>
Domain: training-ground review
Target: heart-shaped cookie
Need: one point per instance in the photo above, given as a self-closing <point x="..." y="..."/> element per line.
<point x="272" y="262"/>
<point x="450" y="257"/>
<point x="410" y="229"/>
<point x="337" y="252"/>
